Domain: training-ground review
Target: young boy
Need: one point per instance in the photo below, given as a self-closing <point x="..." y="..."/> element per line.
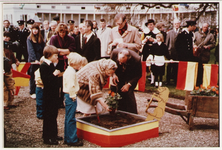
<point x="49" y="76"/>
<point x="8" y="85"/>
<point x="70" y="88"/>
<point x="39" y="92"/>
<point x="9" y="47"/>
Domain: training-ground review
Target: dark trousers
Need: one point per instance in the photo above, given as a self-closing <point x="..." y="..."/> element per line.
<point x="200" y="73"/>
<point x="172" y="69"/>
<point x="32" y="85"/>
<point x="128" y="101"/>
<point x="22" y="51"/>
<point x="50" y="129"/>
<point x="61" y="93"/>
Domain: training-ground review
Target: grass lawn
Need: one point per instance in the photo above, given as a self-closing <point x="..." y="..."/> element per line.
<point x="180" y="94"/>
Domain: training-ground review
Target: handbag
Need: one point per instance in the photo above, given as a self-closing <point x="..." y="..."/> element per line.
<point x="205" y="55"/>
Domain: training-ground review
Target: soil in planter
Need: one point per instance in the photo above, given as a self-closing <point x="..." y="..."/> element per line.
<point x="113" y="121"/>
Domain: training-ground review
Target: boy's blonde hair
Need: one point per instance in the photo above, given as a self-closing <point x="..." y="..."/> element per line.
<point x="84" y="61"/>
<point x="160" y="35"/>
<point x="74" y="59"/>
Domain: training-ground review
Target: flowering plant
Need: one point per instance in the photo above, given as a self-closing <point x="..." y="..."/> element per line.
<point x="112" y="100"/>
<point x="209" y="91"/>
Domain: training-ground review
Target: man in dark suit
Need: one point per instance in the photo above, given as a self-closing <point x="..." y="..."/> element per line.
<point x="170" y="42"/>
<point x="79" y="39"/>
<point x="45" y="30"/>
<point x="184" y="42"/>
<point x="22" y="33"/>
<point x="91" y="45"/>
<point x="125" y="79"/>
<point x="9" y="28"/>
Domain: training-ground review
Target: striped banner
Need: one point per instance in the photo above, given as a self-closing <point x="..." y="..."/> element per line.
<point x="142" y="81"/>
<point x="22" y="68"/>
<point x="187" y="75"/>
<point x="210" y="75"/>
<point x="21" y="79"/>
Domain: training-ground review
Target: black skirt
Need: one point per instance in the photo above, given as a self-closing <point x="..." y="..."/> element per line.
<point x="158" y="70"/>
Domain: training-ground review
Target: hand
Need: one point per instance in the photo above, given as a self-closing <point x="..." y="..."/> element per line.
<point x="151" y="39"/>
<point x="115" y="43"/>
<point x="56" y="72"/>
<point x="145" y="40"/>
<point x="122" y="45"/>
<point x="125" y="88"/>
<point x="37" y="62"/>
<point x="115" y="79"/>
<point x="12" y="92"/>
<point x="104" y="105"/>
<point x="195" y="46"/>
<point x="206" y="47"/>
<point x="17" y="63"/>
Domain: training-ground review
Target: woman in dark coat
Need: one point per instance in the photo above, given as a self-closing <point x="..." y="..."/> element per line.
<point x="35" y="46"/>
<point x="65" y="44"/>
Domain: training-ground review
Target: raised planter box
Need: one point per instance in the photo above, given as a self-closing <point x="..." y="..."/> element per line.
<point x="119" y="136"/>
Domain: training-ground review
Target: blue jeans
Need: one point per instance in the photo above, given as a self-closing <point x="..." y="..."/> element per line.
<point x="39" y="102"/>
<point x="32" y="85"/>
<point x="70" y="133"/>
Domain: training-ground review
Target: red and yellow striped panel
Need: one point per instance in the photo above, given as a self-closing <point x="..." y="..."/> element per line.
<point x="119" y="137"/>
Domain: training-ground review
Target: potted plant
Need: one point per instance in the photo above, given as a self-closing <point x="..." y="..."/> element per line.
<point x="203" y="91"/>
<point x="112" y="101"/>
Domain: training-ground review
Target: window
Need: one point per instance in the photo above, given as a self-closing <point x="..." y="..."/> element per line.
<point x="67" y="7"/>
<point x="53" y="7"/>
<point x="83" y="7"/>
<point x="38" y="6"/>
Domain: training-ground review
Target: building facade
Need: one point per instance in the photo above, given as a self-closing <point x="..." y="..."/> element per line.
<point x="136" y="14"/>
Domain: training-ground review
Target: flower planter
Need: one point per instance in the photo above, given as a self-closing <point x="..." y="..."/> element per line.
<point x="202" y="106"/>
<point x="119" y="136"/>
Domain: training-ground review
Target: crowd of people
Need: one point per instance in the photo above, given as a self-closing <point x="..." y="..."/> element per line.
<point x="73" y="63"/>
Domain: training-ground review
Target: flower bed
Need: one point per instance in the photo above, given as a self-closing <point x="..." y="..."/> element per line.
<point x="119" y="136"/>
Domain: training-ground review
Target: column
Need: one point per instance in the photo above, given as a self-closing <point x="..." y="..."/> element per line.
<point x="161" y="16"/>
<point x="79" y="18"/>
<point x="42" y="19"/>
<point x="50" y="17"/>
<point x="64" y="20"/>
<point x="101" y="16"/>
<point x="94" y="16"/>
<point x="86" y="16"/>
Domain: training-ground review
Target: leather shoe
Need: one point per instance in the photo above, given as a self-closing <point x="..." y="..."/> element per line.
<point x="12" y="106"/>
<point x="78" y="143"/>
<point x="51" y="141"/>
<point x="6" y="108"/>
<point x="59" y="138"/>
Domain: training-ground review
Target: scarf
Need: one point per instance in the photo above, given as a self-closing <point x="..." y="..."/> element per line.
<point x="121" y="31"/>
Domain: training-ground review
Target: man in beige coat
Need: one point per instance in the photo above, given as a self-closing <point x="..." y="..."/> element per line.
<point x="124" y="35"/>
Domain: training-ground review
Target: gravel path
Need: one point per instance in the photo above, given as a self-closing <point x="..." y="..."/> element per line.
<point x="24" y="130"/>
